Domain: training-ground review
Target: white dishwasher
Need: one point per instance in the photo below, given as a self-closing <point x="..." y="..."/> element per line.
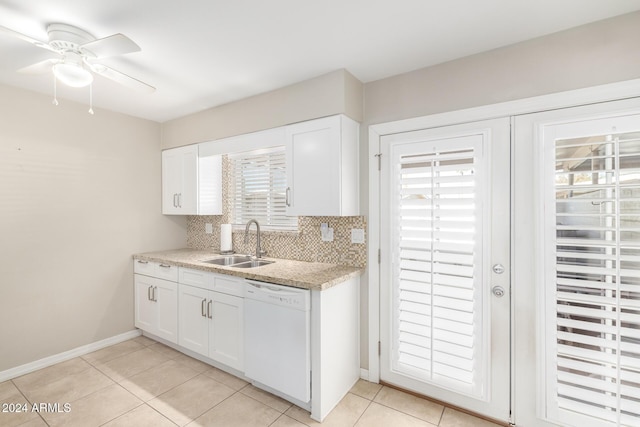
<point x="276" y="338"/>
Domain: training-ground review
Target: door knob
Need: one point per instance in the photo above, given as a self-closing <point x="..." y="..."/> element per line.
<point x="498" y="291"/>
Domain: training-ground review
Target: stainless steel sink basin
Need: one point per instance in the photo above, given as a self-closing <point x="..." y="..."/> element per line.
<point x="228" y="260"/>
<point x="252" y="263"/>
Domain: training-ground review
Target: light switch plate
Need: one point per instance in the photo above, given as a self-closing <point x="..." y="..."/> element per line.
<point x="357" y="235"/>
<point x="208" y="228"/>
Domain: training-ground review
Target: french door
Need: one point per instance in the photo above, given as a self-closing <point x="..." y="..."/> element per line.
<point x="445" y="264"/>
<point x="577" y="266"/>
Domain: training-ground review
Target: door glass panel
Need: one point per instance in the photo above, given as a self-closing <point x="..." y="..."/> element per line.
<point x="437" y="218"/>
<point x="596" y="288"/>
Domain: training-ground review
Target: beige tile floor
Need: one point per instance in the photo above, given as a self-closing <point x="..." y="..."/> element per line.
<point x="144" y="383"/>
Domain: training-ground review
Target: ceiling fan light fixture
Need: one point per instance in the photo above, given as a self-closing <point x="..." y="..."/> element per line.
<point x="72" y="74"/>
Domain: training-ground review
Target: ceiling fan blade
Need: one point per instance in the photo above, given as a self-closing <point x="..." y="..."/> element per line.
<point x="26" y="38"/>
<point x="41" y="67"/>
<point x="117" y="44"/>
<point x="122" y="78"/>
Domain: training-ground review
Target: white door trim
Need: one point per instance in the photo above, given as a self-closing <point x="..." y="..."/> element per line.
<point x="573" y="98"/>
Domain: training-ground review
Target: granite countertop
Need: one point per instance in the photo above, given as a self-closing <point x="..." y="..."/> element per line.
<point x="301" y="274"/>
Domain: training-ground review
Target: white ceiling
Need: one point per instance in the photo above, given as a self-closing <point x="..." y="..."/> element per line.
<point x="204" y="53"/>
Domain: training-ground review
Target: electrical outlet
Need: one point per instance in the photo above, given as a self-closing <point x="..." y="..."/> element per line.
<point x="357" y="235"/>
<point x="327" y="234"/>
<point x="208" y="228"/>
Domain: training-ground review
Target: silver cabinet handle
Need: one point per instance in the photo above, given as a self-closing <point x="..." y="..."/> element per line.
<point x="154" y="293"/>
<point x="149" y="293"/>
<point x="286" y="198"/>
<point x="209" y="315"/>
<point x="204" y="314"/>
<point x="180" y="200"/>
<point x="165" y="266"/>
<point x="175" y="203"/>
<point x="143" y="262"/>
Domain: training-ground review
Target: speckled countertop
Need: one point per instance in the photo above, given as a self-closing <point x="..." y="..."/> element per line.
<point x="301" y="274"/>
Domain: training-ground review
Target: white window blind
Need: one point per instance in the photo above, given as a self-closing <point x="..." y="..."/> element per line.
<point x="437" y="303"/>
<point x="259" y="182"/>
<point x="594" y="286"/>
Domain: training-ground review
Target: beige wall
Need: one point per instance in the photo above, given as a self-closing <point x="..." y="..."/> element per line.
<point x="79" y="194"/>
<point x="337" y="92"/>
<point x="590" y="55"/>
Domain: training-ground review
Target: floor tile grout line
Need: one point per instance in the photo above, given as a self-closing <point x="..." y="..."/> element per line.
<point x="406" y="413"/>
<point x="217" y="404"/>
<point x="163" y="415"/>
<point x="142" y="402"/>
<point x="265" y="404"/>
<point x="363" y="412"/>
<point x="29" y="401"/>
<point x="442" y="415"/>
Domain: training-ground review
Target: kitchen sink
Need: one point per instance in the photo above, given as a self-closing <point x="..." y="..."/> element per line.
<point x="252" y="263"/>
<point x="239" y="261"/>
<point x="228" y="260"/>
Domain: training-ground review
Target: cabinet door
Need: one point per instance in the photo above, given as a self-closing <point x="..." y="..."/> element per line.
<point x="180" y="181"/>
<point x="226" y="336"/>
<point x="194" y="323"/>
<point x="144" y="307"/>
<point x="313" y="167"/>
<point x="166" y="301"/>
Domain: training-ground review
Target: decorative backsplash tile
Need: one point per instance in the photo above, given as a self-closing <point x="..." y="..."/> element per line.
<point x="305" y="244"/>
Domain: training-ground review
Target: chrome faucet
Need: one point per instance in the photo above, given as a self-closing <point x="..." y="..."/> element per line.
<point x="259" y="252"/>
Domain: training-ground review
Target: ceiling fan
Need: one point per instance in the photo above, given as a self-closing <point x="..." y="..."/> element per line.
<point x="78" y="54"/>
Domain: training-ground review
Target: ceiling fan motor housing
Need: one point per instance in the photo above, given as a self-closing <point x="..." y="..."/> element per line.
<point x="67" y="38"/>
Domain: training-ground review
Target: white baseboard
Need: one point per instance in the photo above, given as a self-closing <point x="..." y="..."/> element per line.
<point x="61" y="357"/>
<point x="364" y="374"/>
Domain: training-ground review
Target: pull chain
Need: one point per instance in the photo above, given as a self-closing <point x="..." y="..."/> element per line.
<point x="91" y="98"/>
<point x="55" y="91"/>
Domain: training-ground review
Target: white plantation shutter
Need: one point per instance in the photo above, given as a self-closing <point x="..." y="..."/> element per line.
<point x="438" y="336"/>
<point x="593" y="285"/>
<point x="259" y="182"/>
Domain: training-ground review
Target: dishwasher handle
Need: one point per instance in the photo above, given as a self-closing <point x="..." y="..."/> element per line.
<point x="287" y="296"/>
<point x="271" y="289"/>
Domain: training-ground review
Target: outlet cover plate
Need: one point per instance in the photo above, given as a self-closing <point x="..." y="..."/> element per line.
<point x="357" y="235"/>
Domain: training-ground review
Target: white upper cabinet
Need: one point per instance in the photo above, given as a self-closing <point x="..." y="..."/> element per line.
<point x="322" y="167"/>
<point x="191" y="185"/>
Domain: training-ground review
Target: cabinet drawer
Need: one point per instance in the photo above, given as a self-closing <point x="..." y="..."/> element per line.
<point x="156" y="269"/>
<point x="228" y="285"/>
<point x="167" y="272"/>
<point x="201" y="279"/>
<point x="148" y="268"/>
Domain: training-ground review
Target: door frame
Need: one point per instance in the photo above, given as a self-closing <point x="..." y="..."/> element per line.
<point x="573" y="98"/>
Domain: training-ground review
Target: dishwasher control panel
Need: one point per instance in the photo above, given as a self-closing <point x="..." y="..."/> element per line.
<point x="285" y="296"/>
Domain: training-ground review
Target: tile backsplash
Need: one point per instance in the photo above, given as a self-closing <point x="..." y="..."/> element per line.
<point x="305" y="244"/>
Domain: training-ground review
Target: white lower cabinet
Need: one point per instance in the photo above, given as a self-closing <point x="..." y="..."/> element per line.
<point x="156" y="306"/>
<point x="211" y="323"/>
<point x="204" y="312"/>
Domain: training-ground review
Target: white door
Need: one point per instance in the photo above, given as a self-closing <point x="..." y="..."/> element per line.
<point x="444" y="273"/>
<point x="145" y="313"/>
<point x="166" y="301"/>
<point x="194" y="309"/>
<point x="226" y="334"/>
<point x="313" y="167"/>
<point x="577" y="259"/>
